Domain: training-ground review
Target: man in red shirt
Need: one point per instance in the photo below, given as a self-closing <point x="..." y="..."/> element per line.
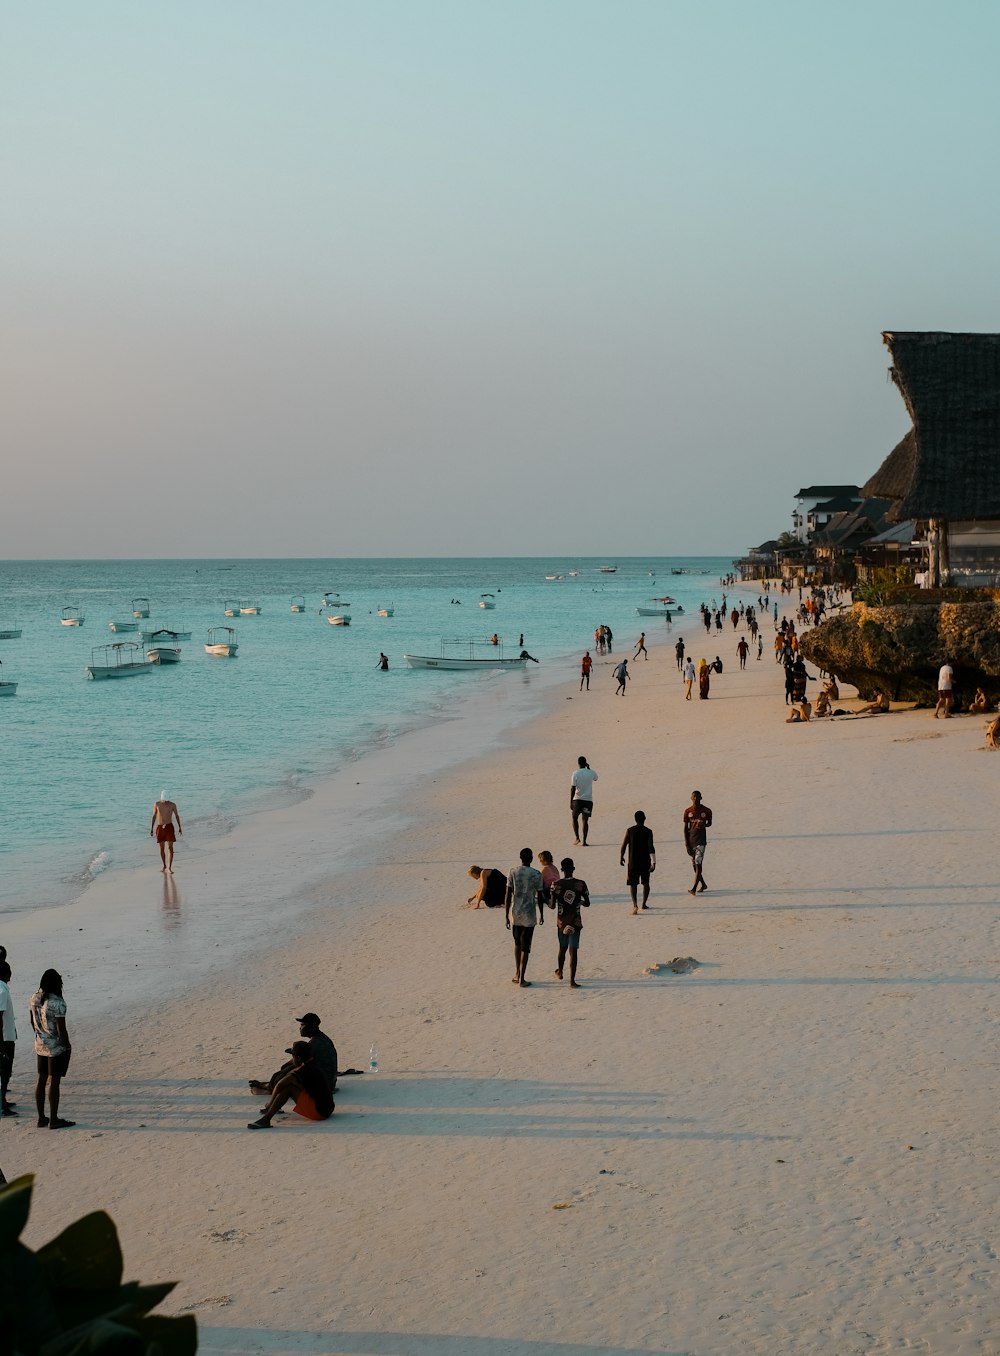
<point x="697" y="818"/>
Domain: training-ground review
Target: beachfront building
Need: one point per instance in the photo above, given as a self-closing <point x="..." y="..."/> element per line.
<point x="836" y="545"/>
<point x="945" y="473"/>
<point x="815" y="505"/>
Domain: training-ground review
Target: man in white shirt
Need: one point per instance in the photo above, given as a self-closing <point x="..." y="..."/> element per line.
<point x="581" y="798"/>
<point x="8" y="1035"/>
<point x="946" y="695"/>
<point x="524" y="895"/>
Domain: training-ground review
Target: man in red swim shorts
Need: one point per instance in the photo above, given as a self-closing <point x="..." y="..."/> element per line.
<point x="164" y="814"/>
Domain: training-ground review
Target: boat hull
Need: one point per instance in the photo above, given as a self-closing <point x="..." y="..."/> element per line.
<point x="222" y="651"/>
<point x="164" y="654"/>
<point x="8" y="689"/>
<point x="656" y="611"/>
<point x="71" y="621"/>
<point x="98" y="673"/>
<point x="423" y="661"/>
<point x="342" y="619"/>
<point x="123" y="626"/>
<point x="165" y="634"/>
<point x="10" y="635"/>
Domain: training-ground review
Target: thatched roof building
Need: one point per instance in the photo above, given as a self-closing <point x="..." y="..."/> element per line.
<point x="948" y="465"/>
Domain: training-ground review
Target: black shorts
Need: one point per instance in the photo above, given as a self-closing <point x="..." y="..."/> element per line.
<point x="582" y="807"/>
<point x="522" y="935"/>
<point x="639" y="876"/>
<point x="54" y="1064"/>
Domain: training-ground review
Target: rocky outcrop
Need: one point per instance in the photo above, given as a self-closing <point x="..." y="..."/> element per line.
<point x="900" y="648"/>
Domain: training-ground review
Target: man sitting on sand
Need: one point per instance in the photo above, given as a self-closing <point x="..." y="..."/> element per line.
<point x="801" y="712"/>
<point x="824" y="706"/>
<point x="876" y="707"/>
<point x="304" y="1084"/>
<point x="980" y="702"/>
<point x="321" y="1049"/>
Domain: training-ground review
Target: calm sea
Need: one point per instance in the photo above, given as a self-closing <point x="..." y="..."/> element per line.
<point x="83" y="761"/>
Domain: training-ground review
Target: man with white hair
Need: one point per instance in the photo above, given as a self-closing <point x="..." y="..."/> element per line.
<point x="164" y="814"/>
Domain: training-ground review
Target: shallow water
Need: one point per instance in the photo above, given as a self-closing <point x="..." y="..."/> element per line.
<point x="83" y="761"/>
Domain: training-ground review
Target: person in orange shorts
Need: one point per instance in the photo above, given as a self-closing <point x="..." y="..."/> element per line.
<point x="303" y="1084"/>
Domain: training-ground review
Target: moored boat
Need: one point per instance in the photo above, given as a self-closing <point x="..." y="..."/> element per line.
<point x="386" y="611"/>
<point x="339" y="619"/>
<point x="164" y="635"/>
<point x="230" y="609"/>
<point x="250" y="609"/>
<point x="71" y="616"/>
<point x="7" y="688"/>
<point x="10" y="633"/>
<point x="464" y="654"/>
<point x="123" y="626"/>
<point x="164" y="654"/>
<point x="298" y="604"/>
<point x="487" y="601"/>
<point x="140" y="607"/>
<point x="123" y="659"/>
<point x="221" y="642"/>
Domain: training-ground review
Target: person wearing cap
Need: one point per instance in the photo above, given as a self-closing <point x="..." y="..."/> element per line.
<point x="321" y="1049"/>
<point x="303" y="1084"/>
<point x="164" y="814"/>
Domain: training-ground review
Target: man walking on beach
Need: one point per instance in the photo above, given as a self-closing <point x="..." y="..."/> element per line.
<point x="641" y="858"/>
<point x="586" y="664"/>
<point x="640" y="648"/>
<point x="524" y="896"/>
<point x="164" y="814"/>
<point x="8" y="1037"/>
<point x="679" y="652"/>
<point x="697" y="818"/>
<point x="742" y="649"/>
<point x="622" y="675"/>
<point x="689" y="676"/>
<point x="581" y="798"/>
<point x="946" y="694"/>
<point x="568" y="896"/>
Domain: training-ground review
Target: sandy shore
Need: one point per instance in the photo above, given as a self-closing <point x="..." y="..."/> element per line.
<point x="792" y="1148"/>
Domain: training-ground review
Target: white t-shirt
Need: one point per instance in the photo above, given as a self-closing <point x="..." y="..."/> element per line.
<point x="945" y="678"/>
<point x="43" y="1009"/>
<point x="8" y="1031"/>
<point x="583" y="783"/>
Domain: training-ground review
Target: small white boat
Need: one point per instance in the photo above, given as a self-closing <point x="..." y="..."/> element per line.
<point x="386" y="611"/>
<point x="12" y="633"/>
<point x="250" y="609"/>
<point x="7" y="688"/>
<point x="553" y="576"/>
<point x="123" y="659"/>
<point x="298" y="604"/>
<point x="609" y="569"/>
<point x="140" y="607"/>
<point x="230" y="609"/>
<point x="487" y="601"/>
<point x="466" y="655"/>
<point x="573" y="574"/>
<point x="71" y="616"/>
<point x="164" y="654"/>
<point x="339" y="619"/>
<point x="123" y="626"/>
<point x="660" y="611"/>
<point x="221" y="641"/>
<point x="164" y="635"/>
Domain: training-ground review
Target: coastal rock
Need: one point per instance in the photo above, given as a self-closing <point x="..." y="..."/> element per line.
<point x="900" y="647"/>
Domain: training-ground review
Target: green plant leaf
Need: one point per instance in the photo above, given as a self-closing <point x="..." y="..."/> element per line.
<point x="86" y="1256"/>
<point x="15" y="1204"/>
<point x="123" y="1303"/>
<point x="29" y="1314"/>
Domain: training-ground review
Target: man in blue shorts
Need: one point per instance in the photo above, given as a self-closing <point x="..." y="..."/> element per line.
<point x="567" y="897"/>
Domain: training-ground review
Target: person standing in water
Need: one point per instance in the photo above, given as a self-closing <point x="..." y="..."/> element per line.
<point x="383" y="662"/>
<point x="162" y="823"/>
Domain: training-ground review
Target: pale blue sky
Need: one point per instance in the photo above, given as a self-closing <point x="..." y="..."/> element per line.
<point x="473" y="278"/>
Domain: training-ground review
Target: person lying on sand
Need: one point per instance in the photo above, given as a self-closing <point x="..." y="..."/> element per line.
<point x="303" y="1084"/>
<point x="801" y="712"/>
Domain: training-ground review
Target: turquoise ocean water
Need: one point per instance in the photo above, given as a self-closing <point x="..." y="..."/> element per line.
<point x="83" y="761"/>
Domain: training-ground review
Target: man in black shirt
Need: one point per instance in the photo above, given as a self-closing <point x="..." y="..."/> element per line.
<point x="568" y="896"/>
<point x="641" y="859"/>
<point x="304" y="1084"/>
<point x="321" y="1049"/>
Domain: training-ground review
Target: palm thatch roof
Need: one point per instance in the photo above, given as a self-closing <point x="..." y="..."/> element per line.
<point x="948" y="465"/>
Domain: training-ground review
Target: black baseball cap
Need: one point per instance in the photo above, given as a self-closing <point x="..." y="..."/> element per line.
<point x="310" y="1019"/>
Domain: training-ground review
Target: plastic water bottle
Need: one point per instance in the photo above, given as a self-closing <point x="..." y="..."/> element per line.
<point x="373" y="1059"/>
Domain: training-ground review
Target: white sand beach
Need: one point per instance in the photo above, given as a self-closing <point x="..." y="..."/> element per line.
<point x="793" y="1148"/>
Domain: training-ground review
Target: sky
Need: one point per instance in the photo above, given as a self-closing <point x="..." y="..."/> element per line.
<point x="460" y="277"/>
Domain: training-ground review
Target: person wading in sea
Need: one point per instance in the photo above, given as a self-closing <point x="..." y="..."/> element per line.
<point x="164" y="814"/>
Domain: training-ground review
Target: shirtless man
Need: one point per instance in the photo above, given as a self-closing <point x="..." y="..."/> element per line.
<point x="162" y="823"/>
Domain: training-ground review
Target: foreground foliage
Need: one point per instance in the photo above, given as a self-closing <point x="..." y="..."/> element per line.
<point x="68" y="1299"/>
